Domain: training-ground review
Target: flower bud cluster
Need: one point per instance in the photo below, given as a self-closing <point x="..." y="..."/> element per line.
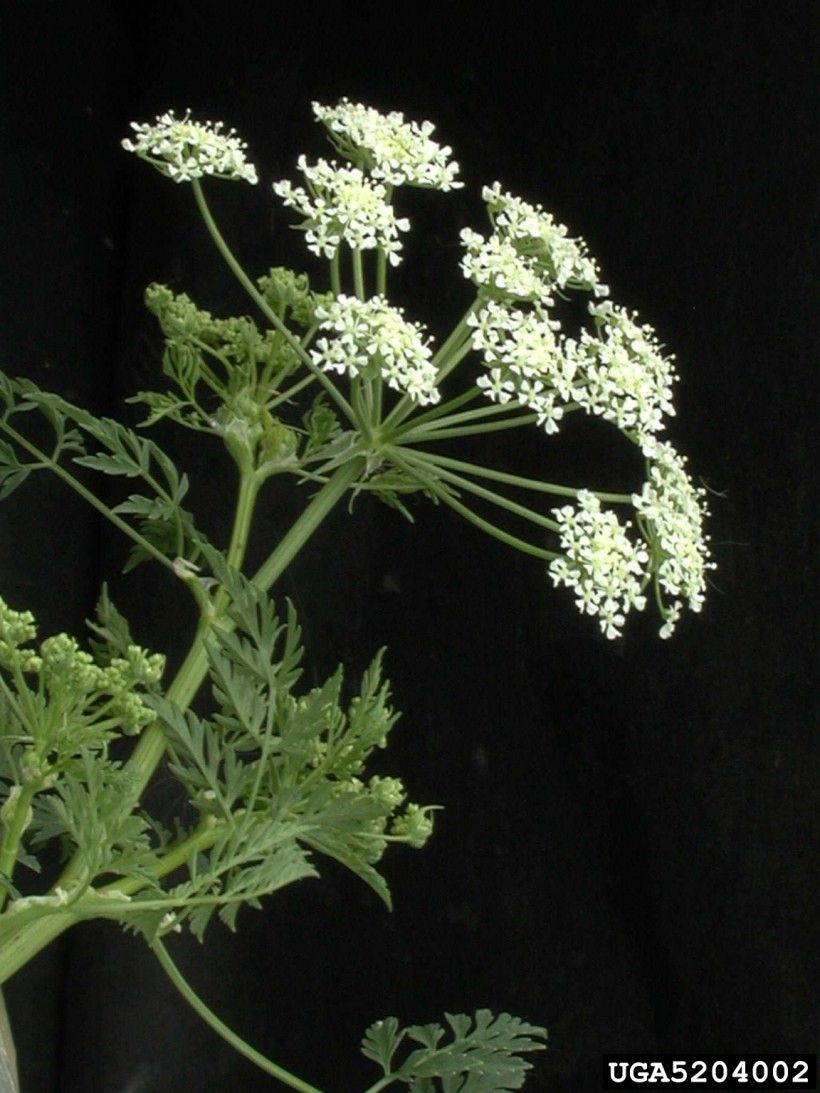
<point x="74" y="678"/>
<point x="183" y="149"/>
<point x="16" y="628"/>
<point x="369" y="338"/>
<point x="341" y="204"/>
<point x="68" y="671"/>
<point x="601" y="564"/>
<point x="289" y="293"/>
<point x="415" y="825"/>
<point x="383" y="796"/>
<point x="391" y="149"/>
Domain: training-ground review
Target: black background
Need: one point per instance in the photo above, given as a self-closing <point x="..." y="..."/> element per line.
<point x="629" y="854"/>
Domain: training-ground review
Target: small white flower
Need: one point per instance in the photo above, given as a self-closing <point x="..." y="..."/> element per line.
<point x="369" y="337"/>
<point x="671" y="619"/>
<point x="183" y="149"/>
<point x="675" y="511"/>
<point x="601" y="563"/>
<point x="343" y="204"/>
<point x="169" y="922"/>
<point x="393" y="150"/>
<point x="495" y="387"/>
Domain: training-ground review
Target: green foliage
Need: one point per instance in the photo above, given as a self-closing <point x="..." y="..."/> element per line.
<point x="16" y="397"/>
<point x="321" y="428"/>
<point x="91" y="810"/>
<point x="120" y="452"/>
<point x="269" y="752"/>
<point x="392" y="484"/>
<point x="60" y="709"/>
<point x="273" y="774"/>
<point x="482" y="1054"/>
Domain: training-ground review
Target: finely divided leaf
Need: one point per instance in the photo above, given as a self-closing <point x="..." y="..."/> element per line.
<point x="484" y="1054"/>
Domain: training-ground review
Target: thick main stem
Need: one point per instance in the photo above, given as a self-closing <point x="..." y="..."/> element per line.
<point x="14" y="832"/>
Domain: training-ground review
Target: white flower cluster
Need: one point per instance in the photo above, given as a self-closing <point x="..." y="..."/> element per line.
<point x="540" y="238"/>
<point x="525" y="359"/>
<point x="675" y="509"/>
<point x="183" y="149"/>
<point x="343" y="204"/>
<point x="601" y="563"/>
<point x="495" y="266"/>
<point x="392" y="150"/>
<point x="619" y="373"/>
<point x="371" y="337"/>
<point x="528" y="255"/>
<point x="626" y="378"/>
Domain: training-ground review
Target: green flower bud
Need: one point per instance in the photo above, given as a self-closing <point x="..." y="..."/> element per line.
<point x="415" y="825"/>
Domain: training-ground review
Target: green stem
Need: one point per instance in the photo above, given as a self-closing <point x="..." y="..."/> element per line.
<point x="475" y="430"/>
<point x="441" y="410"/>
<point x="14" y="833"/>
<point x="201" y="838"/>
<point x="291" y="391"/>
<point x="260" y="301"/>
<point x="473" y="517"/>
<point x="382" y="1083"/>
<point x="249" y="483"/>
<point x="26" y="943"/>
<point x="523" y="483"/>
<point x="416" y="429"/>
<point x="455" y="359"/>
<point x="453" y="342"/>
<point x="335" y="274"/>
<point x="220" y="1028"/>
<point x="359" y="408"/>
<point x="308" y="522"/>
<point x="87" y="495"/>
<point x="489" y="495"/>
<point x="381" y="272"/>
<point x="358" y="274"/>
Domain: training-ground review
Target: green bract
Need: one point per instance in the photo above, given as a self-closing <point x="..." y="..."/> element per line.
<point x="329" y="382"/>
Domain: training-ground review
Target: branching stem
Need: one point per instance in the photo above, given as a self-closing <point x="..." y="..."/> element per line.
<point x="260" y="301"/>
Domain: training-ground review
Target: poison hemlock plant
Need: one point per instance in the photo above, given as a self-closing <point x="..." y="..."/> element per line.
<point x="339" y="388"/>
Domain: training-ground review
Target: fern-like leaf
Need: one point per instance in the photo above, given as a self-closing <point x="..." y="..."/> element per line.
<point x="481" y="1054"/>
